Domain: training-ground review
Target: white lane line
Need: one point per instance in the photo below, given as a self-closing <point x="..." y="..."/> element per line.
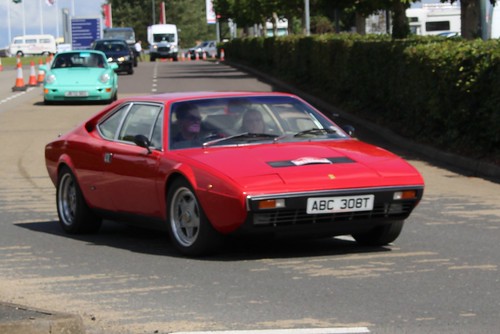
<point x="16" y="95"/>
<point x="155" y="79"/>
<point x="333" y="330"/>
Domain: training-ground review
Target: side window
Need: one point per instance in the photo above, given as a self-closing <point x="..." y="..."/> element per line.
<point x="156" y="139"/>
<point x="109" y="127"/>
<point x="139" y="121"/>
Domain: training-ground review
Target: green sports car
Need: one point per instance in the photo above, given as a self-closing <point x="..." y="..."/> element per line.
<point x="83" y="75"/>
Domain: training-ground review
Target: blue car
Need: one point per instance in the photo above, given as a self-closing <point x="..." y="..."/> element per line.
<point x="83" y="75"/>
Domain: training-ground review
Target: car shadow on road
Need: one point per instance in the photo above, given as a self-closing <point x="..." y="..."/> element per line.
<point x="153" y="242"/>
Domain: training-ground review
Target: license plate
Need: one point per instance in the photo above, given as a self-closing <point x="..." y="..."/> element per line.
<point x="76" y="94"/>
<point x="319" y="205"/>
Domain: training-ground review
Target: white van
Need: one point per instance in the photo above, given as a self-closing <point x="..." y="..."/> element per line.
<point x="33" y="45"/>
<point x="163" y="41"/>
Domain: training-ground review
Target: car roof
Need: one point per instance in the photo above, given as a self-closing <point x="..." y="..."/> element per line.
<point x="196" y="95"/>
<point x="77" y="51"/>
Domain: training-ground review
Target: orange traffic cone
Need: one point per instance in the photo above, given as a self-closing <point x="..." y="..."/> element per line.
<point x="1" y="66"/>
<point x="41" y="74"/>
<point x="222" y="54"/>
<point x="19" y="86"/>
<point x="182" y="56"/>
<point x="197" y="57"/>
<point x="32" y="80"/>
<point x="204" y="55"/>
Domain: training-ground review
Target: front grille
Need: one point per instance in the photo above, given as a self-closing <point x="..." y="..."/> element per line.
<point x="164" y="49"/>
<point x="286" y="217"/>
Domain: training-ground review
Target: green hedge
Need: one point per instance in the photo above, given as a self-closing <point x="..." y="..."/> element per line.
<point x="443" y="92"/>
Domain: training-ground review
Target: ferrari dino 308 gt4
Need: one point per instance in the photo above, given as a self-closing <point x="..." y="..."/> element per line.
<point x="204" y="165"/>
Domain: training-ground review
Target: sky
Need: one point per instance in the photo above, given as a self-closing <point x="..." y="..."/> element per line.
<point x="40" y="18"/>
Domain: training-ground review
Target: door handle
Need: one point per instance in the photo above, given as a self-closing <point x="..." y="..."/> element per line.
<point x="108" y="157"/>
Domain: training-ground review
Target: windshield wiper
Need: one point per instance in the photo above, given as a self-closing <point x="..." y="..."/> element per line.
<point x="315" y="132"/>
<point x="245" y="135"/>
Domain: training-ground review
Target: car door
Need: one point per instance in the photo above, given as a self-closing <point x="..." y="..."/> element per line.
<point x="131" y="172"/>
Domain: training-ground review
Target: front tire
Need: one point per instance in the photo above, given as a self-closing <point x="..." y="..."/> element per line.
<point x="189" y="229"/>
<point x="380" y="235"/>
<point x="75" y="216"/>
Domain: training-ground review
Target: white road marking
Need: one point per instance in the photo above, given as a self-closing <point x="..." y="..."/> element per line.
<point x="7" y="99"/>
<point x="333" y="330"/>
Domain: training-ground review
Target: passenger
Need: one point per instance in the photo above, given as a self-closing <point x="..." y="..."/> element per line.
<point x="189" y="123"/>
<point x="253" y="122"/>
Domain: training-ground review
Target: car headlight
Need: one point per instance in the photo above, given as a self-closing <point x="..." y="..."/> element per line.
<point x="104" y="78"/>
<point x="50" y="79"/>
<point x="124" y="58"/>
<point x="155" y="46"/>
<point x="110" y="59"/>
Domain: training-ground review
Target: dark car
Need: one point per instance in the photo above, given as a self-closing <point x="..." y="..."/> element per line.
<point x="117" y="51"/>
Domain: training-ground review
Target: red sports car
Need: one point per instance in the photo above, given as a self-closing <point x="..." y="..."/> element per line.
<point x="208" y="164"/>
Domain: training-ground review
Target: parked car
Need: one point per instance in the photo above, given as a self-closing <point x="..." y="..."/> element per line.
<point x="117" y="51"/>
<point x="80" y="76"/>
<point x="209" y="48"/>
<point x="449" y="34"/>
<point x="205" y="165"/>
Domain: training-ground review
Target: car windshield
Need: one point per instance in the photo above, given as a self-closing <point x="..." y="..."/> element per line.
<point x="78" y="59"/>
<point x="112" y="47"/>
<point x="247" y="120"/>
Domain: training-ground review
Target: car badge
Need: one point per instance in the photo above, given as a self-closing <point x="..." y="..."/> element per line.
<point x="310" y="161"/>
<point x="331" y="176"/>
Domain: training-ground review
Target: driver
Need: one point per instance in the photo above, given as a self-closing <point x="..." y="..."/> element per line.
<point x="189" y="123"/>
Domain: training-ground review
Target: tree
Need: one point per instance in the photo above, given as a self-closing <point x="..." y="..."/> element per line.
<point x="186" y="14"/>
<point x="249" y="12"/>
<point x="470" y="17"/>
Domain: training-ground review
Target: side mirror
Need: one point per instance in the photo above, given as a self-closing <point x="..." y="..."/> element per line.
<point x="113" y="66"/>
<point x="349" y="129"/>
<point x="142" y="141"/>
<point x="42" y="68"/>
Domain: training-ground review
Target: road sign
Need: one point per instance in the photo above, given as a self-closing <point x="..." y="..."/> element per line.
<point x="84" y="31"/>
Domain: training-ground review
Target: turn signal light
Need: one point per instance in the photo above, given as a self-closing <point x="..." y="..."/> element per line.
<point x="406" y="194"/>
<point x="271" y="204"/>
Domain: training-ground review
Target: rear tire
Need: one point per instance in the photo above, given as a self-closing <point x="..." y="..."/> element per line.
<point x="381" y="235"/>
<point x="75" y="216"/>
<point x="189" y="228"/>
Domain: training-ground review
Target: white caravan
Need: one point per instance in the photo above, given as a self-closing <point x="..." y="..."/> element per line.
<point x="434" y="19"/>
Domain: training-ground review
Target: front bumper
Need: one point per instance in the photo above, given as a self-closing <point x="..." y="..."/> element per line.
<point x="80" y="93"/>
<point x="294" y="219"/>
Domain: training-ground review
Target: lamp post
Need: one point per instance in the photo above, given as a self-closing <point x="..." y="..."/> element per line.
<point x="153" y="5"/>
<point x="306" y="13"/>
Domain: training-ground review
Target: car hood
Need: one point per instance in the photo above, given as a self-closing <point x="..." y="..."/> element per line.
<point x="306" y="166"/>
<point x="116" y="54"/>
<point x="78" y="75"/>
